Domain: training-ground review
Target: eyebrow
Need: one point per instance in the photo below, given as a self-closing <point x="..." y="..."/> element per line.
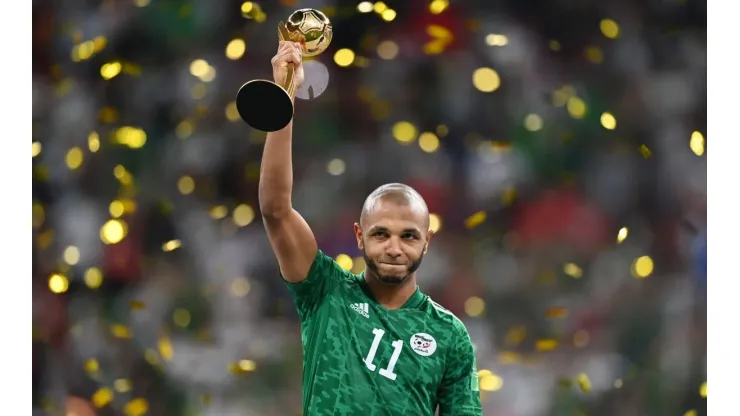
<point x="385" y="229"/>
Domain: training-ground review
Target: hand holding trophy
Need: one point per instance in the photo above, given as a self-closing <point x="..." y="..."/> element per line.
<point x="267" y="105"/>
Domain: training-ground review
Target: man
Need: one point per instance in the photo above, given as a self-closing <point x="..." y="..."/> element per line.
<point x="373" y="344"/>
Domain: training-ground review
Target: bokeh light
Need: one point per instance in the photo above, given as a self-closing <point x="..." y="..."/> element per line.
<point x="404" y="132"/>
<point x="608" y="121"/>
<point x="486" y="80"/>
<point x="243" y="215"/>
<point x="113" y="231"/>
<point x="642" y="267"/>
<point x="344" y="57"/>
<point x="535" y="147"/>
<point x="235" y="49"/>
<point x="609" y="28"/>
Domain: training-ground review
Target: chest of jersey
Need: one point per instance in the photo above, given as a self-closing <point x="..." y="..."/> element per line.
<point x="397" y="355"/>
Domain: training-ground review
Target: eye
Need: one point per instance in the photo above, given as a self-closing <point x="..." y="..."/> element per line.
<point x="408" y="236"/>
<point x="380" y="234"/>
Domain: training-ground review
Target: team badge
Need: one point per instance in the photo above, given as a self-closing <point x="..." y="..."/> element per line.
<point x="423" y="344"/>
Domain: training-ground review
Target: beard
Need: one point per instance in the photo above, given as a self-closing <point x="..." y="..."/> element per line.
<point x="387" y="279"/>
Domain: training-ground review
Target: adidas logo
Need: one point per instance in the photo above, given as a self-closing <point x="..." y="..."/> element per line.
<point x="361" y="308"/>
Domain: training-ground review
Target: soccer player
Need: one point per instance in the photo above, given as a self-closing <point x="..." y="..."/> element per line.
<point x="373" y="344"/>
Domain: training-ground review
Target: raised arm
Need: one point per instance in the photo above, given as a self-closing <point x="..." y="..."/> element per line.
<point x="290" y="236"/>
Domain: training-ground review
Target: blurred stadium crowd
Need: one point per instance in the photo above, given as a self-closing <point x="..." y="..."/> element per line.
<point x="560" y="145"/>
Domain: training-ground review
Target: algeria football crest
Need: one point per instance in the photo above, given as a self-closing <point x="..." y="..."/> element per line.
<point x="423" y="344"/>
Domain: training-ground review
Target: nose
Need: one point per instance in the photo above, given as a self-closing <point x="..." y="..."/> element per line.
<point x="393" y="249"/>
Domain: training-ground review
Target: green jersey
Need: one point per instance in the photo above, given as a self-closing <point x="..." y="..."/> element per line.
<point x="361" y="359"/>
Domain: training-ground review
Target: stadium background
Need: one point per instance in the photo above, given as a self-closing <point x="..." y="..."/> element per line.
<point x="567" y="179"/>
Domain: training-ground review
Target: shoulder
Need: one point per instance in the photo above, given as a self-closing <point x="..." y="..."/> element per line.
<point x="445" y="319"/>
<point x="324" y="265"/>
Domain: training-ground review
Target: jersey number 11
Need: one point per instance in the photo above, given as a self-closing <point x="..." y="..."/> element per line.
<point x="386" y="372"/>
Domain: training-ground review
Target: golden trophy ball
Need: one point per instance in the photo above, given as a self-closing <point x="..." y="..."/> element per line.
<point x="267" y="106"/>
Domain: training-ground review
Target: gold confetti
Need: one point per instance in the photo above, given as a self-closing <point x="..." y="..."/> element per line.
<point x="181" y="317"/>
<point x="583" y="382"/>
<point x="608" y="121"/>
<point x="131" y="69"/>
<point x="576" y="107"/>
<point x="252" y="10"/>
<point x="74" y="158"/>
<point x="609" y="28"/>
<point x="136" y="305"/>
<point x="565" y="383"/>
<point x="171" y="245"/>
<point x="240" y="287"/>
<point x="151" y="356"/>
<point x="102" y="397"/>
<point x="697" y="143"/>
<point x="642" y="267"/>
<point x="475" y="220"/>
<point x="435" y="223"/>
<point x="247" y="365"/>
<point x="205" y="399"/>
<point x="108" y="115"/>
<point x="58" y="283"/>
<point x="622" y="235"/>
<point x="438" y="6"/>
<point x="110" y="70"/>
<point x="572" y="270"/>
<point x="219" y="211"/>
<point x="344" y="261"/>
<point x="546" y="344"/>
<point x="344" y="57"/>
<point x="475" y="306"/>
<point x="516" y="335"/>
<point x="509" y="357"/>
<point x="556" y="313"/>
<point x="92" y="366"/>
<point x="581" y="338"/>
<point x="594" y="55"/>
<point x="243" y="215"/>
<point x="489" y="381"/>
<point x="121" y="331"/>
<point x="358" y="265"/>
<point x="242" y="367"/>
<point x="205" y="336"/>
<point x="441" y="37"/>
<point x="165" y="348"/>
<point x="136" y="407"/>
<point x="39" y="215"/>
<point x="703" y="390"/>
<point x="122" y="385"/>
<point x="36" y="149"/>
<point x="645" y="152"/>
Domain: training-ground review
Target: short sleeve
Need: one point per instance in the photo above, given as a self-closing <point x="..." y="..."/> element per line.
<point x="459" y="394"/>
<point x="323" y="276"/>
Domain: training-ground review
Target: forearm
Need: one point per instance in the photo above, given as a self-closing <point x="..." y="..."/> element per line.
<point x="276" y="173"/>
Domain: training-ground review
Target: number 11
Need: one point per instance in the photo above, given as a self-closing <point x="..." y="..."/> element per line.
<point x="397" y="347"/>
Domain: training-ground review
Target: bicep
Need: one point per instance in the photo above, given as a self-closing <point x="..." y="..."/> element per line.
<point x="459" y="393"/>
<point x="293" y="243"/>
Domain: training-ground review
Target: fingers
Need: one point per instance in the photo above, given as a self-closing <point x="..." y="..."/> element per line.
<point x="288" y="52"/>
<point x="283" y="45"/>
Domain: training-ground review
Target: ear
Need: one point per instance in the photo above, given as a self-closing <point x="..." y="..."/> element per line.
<point x="426" y="244"/>
<point x="358" y="235"/>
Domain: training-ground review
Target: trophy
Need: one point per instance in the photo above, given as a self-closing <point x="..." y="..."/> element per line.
<point x="267" y="106"/>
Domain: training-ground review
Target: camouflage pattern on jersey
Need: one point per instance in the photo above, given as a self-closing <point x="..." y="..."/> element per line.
<point x="361" y="359"/>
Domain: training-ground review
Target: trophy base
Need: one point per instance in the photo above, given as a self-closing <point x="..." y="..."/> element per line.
<point x="264" y="105"/>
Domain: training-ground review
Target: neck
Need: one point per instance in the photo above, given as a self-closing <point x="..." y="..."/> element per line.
<point x="391" y="296"/>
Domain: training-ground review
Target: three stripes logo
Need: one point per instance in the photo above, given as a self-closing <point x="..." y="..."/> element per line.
<point x="361" y="308"/>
